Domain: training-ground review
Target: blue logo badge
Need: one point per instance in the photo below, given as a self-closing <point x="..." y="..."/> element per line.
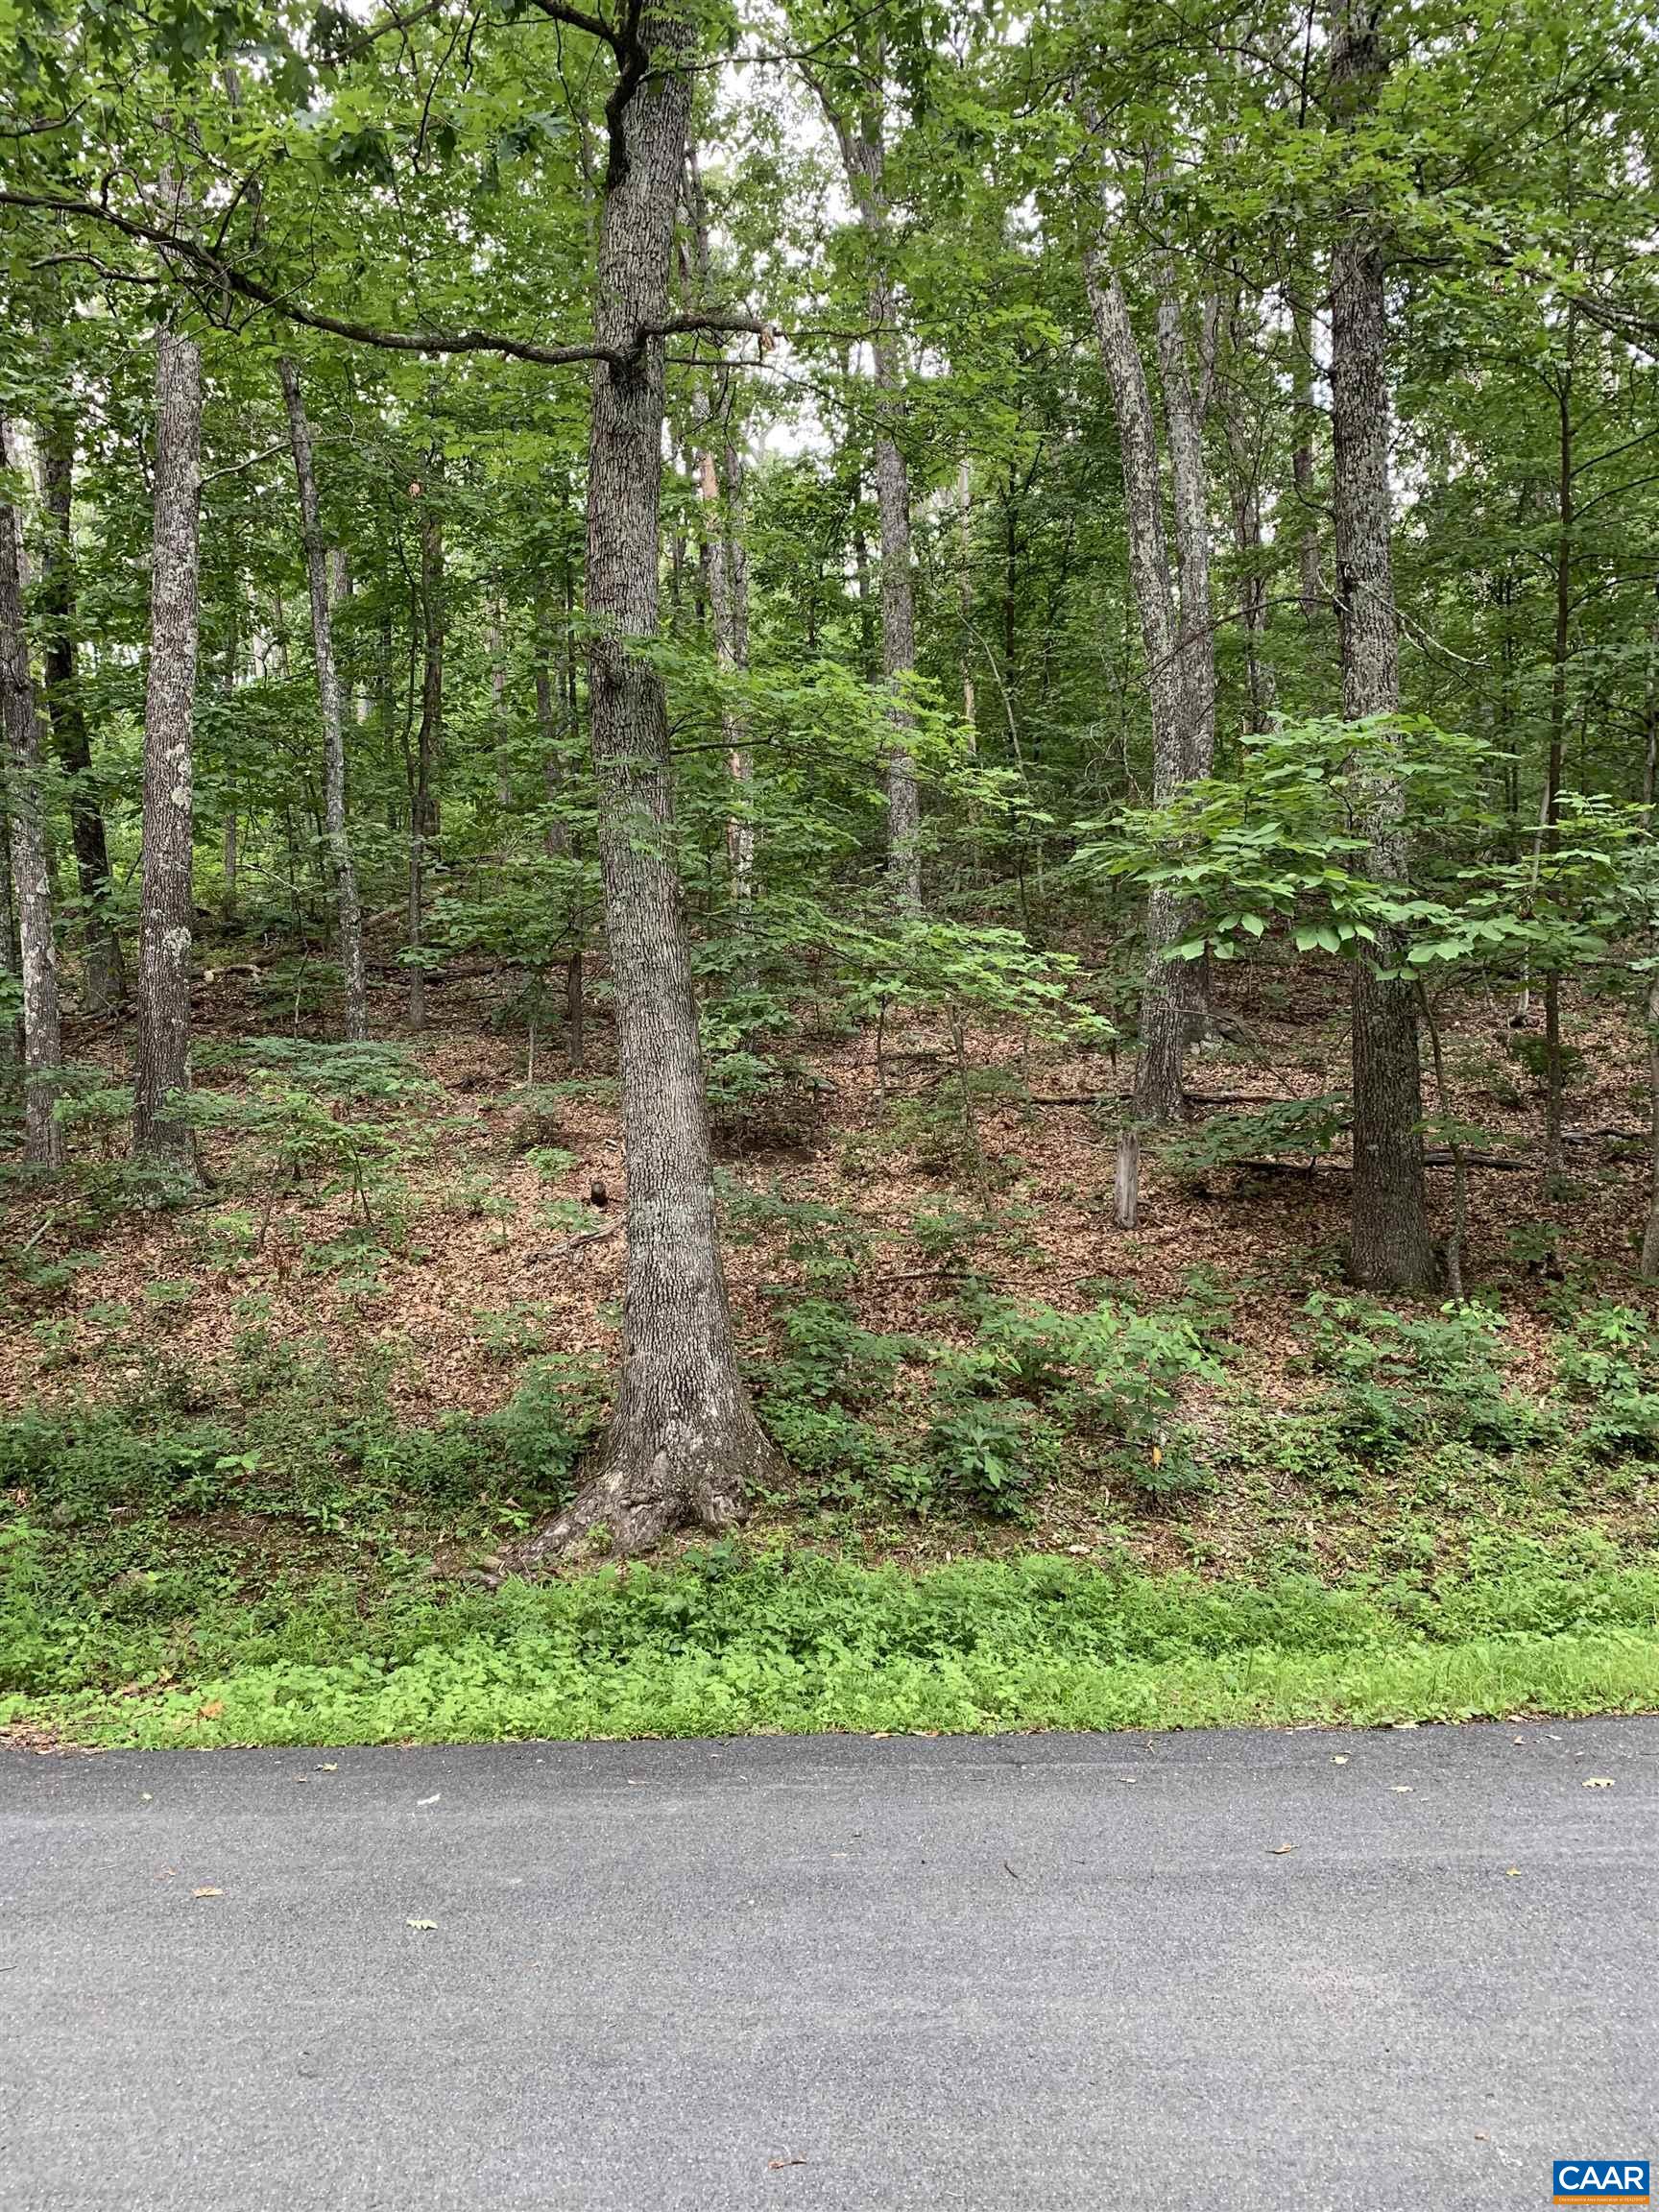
<point x="1600" y="2181"/>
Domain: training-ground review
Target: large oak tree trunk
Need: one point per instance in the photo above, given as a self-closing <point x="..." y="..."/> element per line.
<point x="160" y="1123"/>
<point x="102" y="980"/>
<point x="36" y="951"/>
<point x="347" y="909"/>
<point x="1391" y="1245"/>
<point x="683" y="1442"/>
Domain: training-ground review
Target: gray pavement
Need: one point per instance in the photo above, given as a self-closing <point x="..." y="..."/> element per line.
<point x="1037" y="1972"/>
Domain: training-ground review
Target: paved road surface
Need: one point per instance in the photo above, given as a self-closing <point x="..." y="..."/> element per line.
<point x="1038" y="1972"/>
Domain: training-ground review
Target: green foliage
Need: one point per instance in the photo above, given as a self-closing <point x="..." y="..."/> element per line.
<point x="990" y="1453"/>
<point x="1291" y="1129"/>
<point x="551" y="1160"/>
<point x="319" y="1114"/>
<point x="829" y="1356"/>
<point x="1035" y="1395"/>
<point x="1607" y="1372"/>
<point x="1403" y="1381"/>
<point x="725" y="1641"/>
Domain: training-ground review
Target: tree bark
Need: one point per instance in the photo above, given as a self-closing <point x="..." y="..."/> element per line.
<point x="347" y="909"/>
<point x="1391" y="1245"/>
<point x="720" y="489"/>
<point x="553" y="706"/>
<point x="160" y="1122"/>
<point x="37" y="950"/>
<point x="1186" y="403"/>
<point x="1183" y="720"/>
<point x="429" y="743"/>
<point x="1650" y="1232"/>
<point x="1555" y="767"/>
<point x="863" y="155"/>
<point x="1302" y="472"/>
<point x="103" y="980"/>
<point x="10" y="1027"/>
<point x="1244" y="470"/>
<point x="683" y="1442"/>
<point x="499" y="705"/>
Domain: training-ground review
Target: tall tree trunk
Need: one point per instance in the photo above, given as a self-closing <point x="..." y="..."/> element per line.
<point x="554" y="706"/>
<point x="160" y="1122"/>
<point x="232" y="670"/>
<point x="683" y="1442"/>
<point x="25" y="809"/>
<point x="1172" y="1001"/>
<point x="1302" y="471"/>
<point x="1244" y="472"/>
<point x="863" y="154"/>
<point x="861" y="581"/>
<point x="102" y="980"/>
<point x="348" y="912"/>
<point x="499" y="705"/>
<point x="1650" y="1232"/>
<point x="965" y="592"/>
<point x="1391" y="1245"/>
<point x="1550" y="819"/>
<point x="726" y="565"/>
<point x="1186" y="403"/>
<point x="720" y="487"/>
<point x="429" y="740"/>
<point x="1253" y="599"/>
<point x="11" y="969"/>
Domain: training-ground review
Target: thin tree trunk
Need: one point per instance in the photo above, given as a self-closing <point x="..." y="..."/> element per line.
<point x="863" y="154"/>
<point x="1253" y="599"/>
<point x="228" y="823"/>
<point x="861" y="581"/>
<point x="1185" y="406"/>
<point x="726" y="565"/>
<point x="728" y="597"/>
<point x="1245" y="465"/>
<point x="11" y="975"/>
<point x="161" y="1121"/>
<point x="499" y="705"/>
<point x="423" y="800"/>
<point x="559" y="844"/>
<point x="964" y="591"/>
<point x="1458" y="1238"/>
<point x="102" y="980"/>
<point x="1549" y="830"/>
<point x="1391" y="1245"/>
<point x="683" y="1442"/>
<point x="37" y="951"/>
<point x="347" y="909"/>
<point x="1302" y="472"/>
<point x="1650" y="1233"/>
<point x="1172" y="1004"/>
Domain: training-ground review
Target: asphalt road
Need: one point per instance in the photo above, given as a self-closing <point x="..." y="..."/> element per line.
<point x="1036" y="1972"/>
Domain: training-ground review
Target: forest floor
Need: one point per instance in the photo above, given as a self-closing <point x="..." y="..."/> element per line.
<point x="338" y="1384"/>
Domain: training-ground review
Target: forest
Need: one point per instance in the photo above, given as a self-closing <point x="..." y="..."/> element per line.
<point x="829" y="891"/>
